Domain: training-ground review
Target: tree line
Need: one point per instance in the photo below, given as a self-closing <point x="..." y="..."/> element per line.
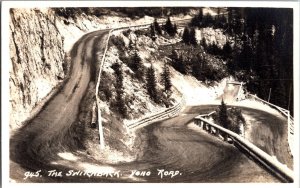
<point x="265" y="55"/>
<point x="168" y="27"/>
<point x="146" y="75"/>
<point x="259" y="49"/>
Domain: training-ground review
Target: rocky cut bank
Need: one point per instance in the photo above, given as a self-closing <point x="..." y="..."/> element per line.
<point x="37" y="61"/>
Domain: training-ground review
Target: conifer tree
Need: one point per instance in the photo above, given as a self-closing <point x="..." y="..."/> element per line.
<point x="227" y="50"/>
<point x="200" y="16"/>
<point x="197" y="20"/>
<point x="151" y="83"/>
<point x="182" y="66"/>
<point x="186" y="36"/>
<point x="203" y="43"/>
<point x="169" y="26"/>
<point x="174" y="58"/>
<point x="136" y="65"/>
<point x="223" y="116"/>
<point x="178" y="62"/>
<point x="152" y="32"/>
<point x="157" y="27"/>
<point x="197" y="64"/>
<point x="166" y="78"/>
<point x="174" y="29"/>
<point x="120" y="102"/>
<point x="192" y="37"/>
<point x="208" y="20"/>
<point x="245" y="61"/>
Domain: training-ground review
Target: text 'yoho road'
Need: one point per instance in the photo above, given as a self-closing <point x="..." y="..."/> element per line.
<point x="162" y="173"/>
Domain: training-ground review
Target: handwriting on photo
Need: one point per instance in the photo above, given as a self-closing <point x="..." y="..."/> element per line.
<point x="162" y="173"/>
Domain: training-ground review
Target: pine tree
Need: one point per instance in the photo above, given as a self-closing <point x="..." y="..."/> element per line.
<point x="197" y="63"/>
<point x="246" y="57"/>
<point x="120" y="102"/>
<point x="203" y="43"/>
<point x="178" y="62"/>
<point x="137" y="66"/>
<point x="186" y="36"/>
<point x="174" y="58"/>
<point x="197" y="20"/>
<point x="222" y="22"/>
<point x="217" y="18"/>
<point x="157" y="27"/>
<point x="192" y="37"/>
<point x="174" y="30"/>
<point x="213" y="48"/>
<point x="223" y="116"/>
<point x="208" y="20"/>
<point x="166" y="78"/>
<point x="227" y="50"/>
<point x="152" y="32"/>
<point x="200" y="16"/>
<point x="151" y="83"/>
<point x="182" y="67"/>
<point x="169" y="26"/>
<point x="230" y="20"/>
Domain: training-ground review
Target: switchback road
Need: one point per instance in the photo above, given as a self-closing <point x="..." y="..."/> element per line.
<point x="50" y="131"/>
<point x="174" y="144"/>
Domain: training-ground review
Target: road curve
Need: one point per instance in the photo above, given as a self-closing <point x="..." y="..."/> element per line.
<point x="174" y="144"/>
<point x="178" y="144"/>
<point x="36" y="143"/>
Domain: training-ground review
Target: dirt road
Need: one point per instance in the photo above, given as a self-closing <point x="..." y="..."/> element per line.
<point x="172" y="145"/>
<point x="37" y="142"/>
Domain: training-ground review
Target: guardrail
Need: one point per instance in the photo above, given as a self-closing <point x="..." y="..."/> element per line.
<point x="97" y="93"/>
<point x="286" y="113"/>
<point x="277" y="168"/>
<point x="165" y="114"/>
<point x="281" y="110"/>
<point x="100" y="70"/>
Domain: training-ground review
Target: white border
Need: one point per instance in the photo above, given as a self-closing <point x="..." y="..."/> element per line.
<point x="39" y="4"/>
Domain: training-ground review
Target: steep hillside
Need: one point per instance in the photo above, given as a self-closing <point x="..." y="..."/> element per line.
<point x="40" y="41"/>
<point x="156" y="52"/>
<point x="36" y="74"/>
<point x="37" y="60"/>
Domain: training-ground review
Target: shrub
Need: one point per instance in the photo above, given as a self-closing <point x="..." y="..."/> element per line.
<point x="105" y="89"/>
<point x="126" y="33"/>
<point x="140" y="32"/>
<point x="118" y="42"/>
<point x="229" y="118"/>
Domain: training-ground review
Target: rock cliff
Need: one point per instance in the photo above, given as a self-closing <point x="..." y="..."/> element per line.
<point x="37" y="58"/>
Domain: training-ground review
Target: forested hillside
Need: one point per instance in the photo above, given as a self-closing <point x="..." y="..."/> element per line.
<point x="258" y="50"/>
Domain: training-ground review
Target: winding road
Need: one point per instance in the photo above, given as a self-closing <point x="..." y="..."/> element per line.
<point x="173" y="144"/>
<point x="49" y="131"/>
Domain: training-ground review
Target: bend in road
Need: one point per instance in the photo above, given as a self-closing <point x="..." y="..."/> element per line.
<point x="171" y="144"/>
<point x="35" y="143"/>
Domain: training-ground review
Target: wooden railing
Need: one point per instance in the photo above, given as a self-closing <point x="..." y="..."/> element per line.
<point x="165" y="114"/>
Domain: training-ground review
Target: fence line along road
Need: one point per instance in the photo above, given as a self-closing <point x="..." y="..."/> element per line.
<point x="290" y="120"/>
<point x="275" y="166"/>
<point x="101" y="67"/>
<point x="280" y="170"/>
<point x="165" y="114"/>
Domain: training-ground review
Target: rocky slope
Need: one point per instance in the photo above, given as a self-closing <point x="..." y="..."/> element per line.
<point x="39" y="43"/>
<point x="37" y="57"/>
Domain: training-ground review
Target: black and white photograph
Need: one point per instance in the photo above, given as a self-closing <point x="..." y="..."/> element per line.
<point x="150" y="92"/>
